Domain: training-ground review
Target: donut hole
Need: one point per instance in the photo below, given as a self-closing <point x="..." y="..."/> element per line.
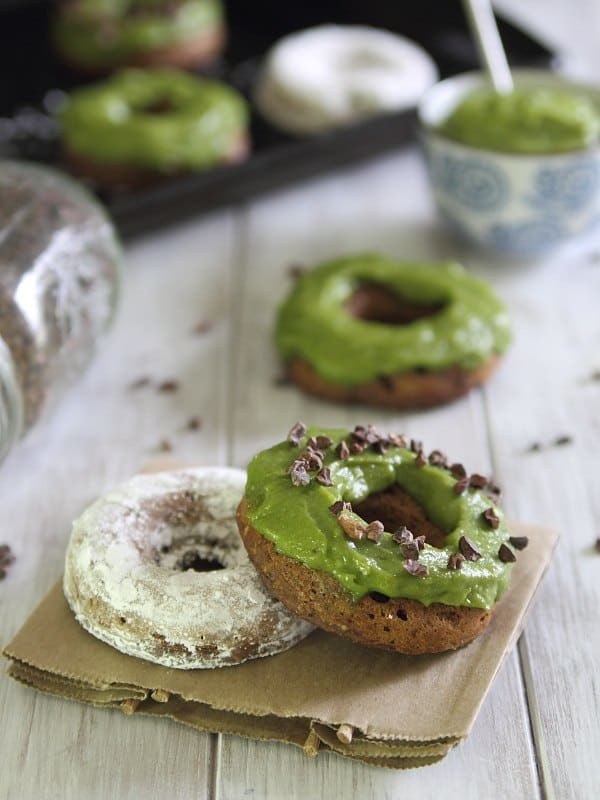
<point x="157" y="107"/>
<point x="374" y="302"/>
<point x="395" y="508"/>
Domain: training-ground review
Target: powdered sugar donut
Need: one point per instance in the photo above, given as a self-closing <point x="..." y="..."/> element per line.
<point x="157" y="569"/>
<point x="334" y="75"/>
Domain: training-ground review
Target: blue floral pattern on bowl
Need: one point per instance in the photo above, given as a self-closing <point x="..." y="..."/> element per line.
<point x="472" y="182"/>
<point x="571" y="187"/>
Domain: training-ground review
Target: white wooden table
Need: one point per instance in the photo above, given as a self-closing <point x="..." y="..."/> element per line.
<point x="538" y="734"/>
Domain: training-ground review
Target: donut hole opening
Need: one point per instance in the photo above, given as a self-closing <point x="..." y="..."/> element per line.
<point x="373" y="302"/>
<point x="395" y="508"/>
<point x="157" y="107"/>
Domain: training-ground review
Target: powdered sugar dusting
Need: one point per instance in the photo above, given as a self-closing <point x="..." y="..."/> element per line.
<point x="121" y="583"/>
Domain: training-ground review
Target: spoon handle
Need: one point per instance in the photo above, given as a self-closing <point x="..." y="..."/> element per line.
<point x="491" y="52"/>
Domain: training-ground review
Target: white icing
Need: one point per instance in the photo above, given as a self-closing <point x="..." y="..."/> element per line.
<point x="112" y="558"/>
<point x="333" y="75"/>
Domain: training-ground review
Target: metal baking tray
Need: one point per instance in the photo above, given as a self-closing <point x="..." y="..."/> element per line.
<point x="31" y="76"/>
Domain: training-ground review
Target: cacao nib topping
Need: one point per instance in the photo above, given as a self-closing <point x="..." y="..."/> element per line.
<point x="420" y="540"/>
<point x="372" y="435"/>
<point x="351" y="526"/>
<point x="320" y="442"/>
<point x="324" y="477"/>
<point x="458" y="471"/>
<point x="359" y="434"/>
<point x="519" y="542"/>
<point x="381" y="446"/>
<point x="410" y="550"/>
<point x="402" y="535"/>
<point x="493" y="489"/>
<point x="339" y="506"/>
<point x="416" y="445"/>
<point x="342" y="451"/>
<point x="506" y="555"/>
<point x="478" y="481"/>
<point x="596" y="545"/>
<point x="398" y="440"/>
<point x="456" y="561"/>
<point x="415" y="568"/>
<point x="468" y="549"/>
<point x="356" y="448"/>
<point x="374" y="531"/>
<point x="461" y="486"/>
<point x="312" y="458"/>
<point x="420" y="460"/>
<point x="296" y="433"/>
<point x="438" y="459"/>
<point x="490" y="516"/>
<point x="298" y="474"/>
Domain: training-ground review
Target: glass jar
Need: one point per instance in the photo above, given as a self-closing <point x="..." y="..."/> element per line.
<point x="59" y="278"/>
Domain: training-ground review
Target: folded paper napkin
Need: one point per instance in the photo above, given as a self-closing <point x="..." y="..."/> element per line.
<point x="324" y="694"/>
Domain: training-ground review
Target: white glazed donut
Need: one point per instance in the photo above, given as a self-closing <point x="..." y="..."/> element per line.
<point x="126" y="582"/>
<point x="334" y="75"/>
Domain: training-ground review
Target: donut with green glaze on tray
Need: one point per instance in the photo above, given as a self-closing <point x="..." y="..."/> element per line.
<point x="98" y="36"/>
<point x="394" y="334"/>
<point x="368" y="536"/>
<point x="141" y="126"/>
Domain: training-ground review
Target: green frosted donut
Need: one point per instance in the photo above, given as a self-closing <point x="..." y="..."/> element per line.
<point x="160" y="119"/>
<point x="468" y="325"/>
<point x="294" y="508"/>
<point x="101" y="34"/>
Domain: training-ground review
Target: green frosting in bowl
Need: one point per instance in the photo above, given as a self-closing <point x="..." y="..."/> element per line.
<point x="527" y="120"/>
<point x="159" y="119"/>
<point x="314" y="323"/>
<point x="299" y="522"/>
<point x="100" y="34"/>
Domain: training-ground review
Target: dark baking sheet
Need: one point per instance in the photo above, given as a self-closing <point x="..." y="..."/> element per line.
<point x="31" y="76"/>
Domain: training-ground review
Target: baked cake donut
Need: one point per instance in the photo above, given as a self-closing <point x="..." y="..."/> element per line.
<point x="334" y="75"/>
<point x="367" y="537"/>
<point x="367" y="329"/>
<point x="98" y="37"/>
<point x="157" y="569"/>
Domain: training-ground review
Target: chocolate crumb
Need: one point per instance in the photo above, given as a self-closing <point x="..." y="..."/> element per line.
<point x="296" y="433"/>
<point x="298" y="474"/>
<point x="519" y="542"/>
<point x="506" y="555"/>
<point x="374" y="531"/>
<point x="461" y="486"/>
<point x="168" y="386"/>
<point x="478" y="481"/>
<point x="351" y="525"/>
<point x="193" y="424"/>
<point x="468" y="549"/>
<point x="324" y="477"/>
<point x="342" y="451"/>
<point x="420" y="459"/>
<point x="437" y="458"/>
<point x="139" y="383"/>
<point x="165" y="446"/>
<point x="560" y="441"/>
<point x="202" y="327"/>
<point x="490" y="516"/>
<point x="458" y="471"/>
<point x="456" y="561"/>
<point x="415" y="568"/>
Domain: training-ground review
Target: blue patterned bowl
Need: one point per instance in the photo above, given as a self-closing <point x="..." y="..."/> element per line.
<point x="523" y="205"/>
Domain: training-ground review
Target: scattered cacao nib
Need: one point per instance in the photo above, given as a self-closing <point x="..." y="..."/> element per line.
<point x="490" y="516"/>
<point x="6" y="559"/>
<point x="402" y="535"/>
<point x="398" y="440"/>
<point x="168" y="386"/>
<point x="410" y="550"/>
<point x="372" y="435"/>
<point x="381" y="446"/>
<point x="506" y="555"/>
<point x="458" y="471"/>
<point x="193" y="424"/>
<point x="468" y="549"/>
<point x="298" y="474"/>
<point x="374" y="531"/>
<point x="342" y="451"/>
<point x="139" y="383"/>
<point x="437" y="458"/>
<point x="352" y="527"/>
<point x="202" y="327"/>
<point x="420" y="459"/>
<point x="312" y="458"/>
<point x="478" y="481"/>
<point x="324" y="477"/>
<point x="296" y="433"/>
<point x="519" y="542"/>
<point x="416" y="445"/>
<point x="493" y="489"/>
<point x="165" y="446"/>
<point x="560" y="441"/>
<point x="461" y="486"/>
<point x="356" y="448"/>
<point x="320" y="442"/>
<point x="340" y="505"/>
<point x="456" y="561"/>
<point x="415" y="568"/>
<point x="596" y="545"/>
<point x="420" y="540"/>
<point x="359" y="434"/>
<point x="534" y="447"/>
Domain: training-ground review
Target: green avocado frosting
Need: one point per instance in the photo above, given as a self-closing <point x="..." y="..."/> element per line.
<point x="314" y="324"/>
<point x="100" y="34"/>
<point x="297" y="519"/>
<point x="533" y="120"/>
<point x="160" y="119"/>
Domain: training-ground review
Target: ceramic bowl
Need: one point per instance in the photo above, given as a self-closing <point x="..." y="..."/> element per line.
<point x="522" y="205"/>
